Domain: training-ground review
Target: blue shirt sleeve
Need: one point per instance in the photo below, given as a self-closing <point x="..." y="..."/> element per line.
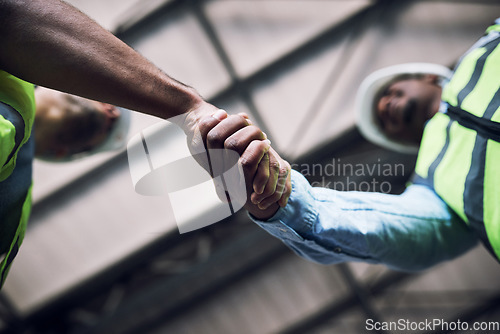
<point x="409" y="232"/>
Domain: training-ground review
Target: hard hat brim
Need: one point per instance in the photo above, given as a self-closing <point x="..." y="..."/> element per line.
<point x="365" y="114"/>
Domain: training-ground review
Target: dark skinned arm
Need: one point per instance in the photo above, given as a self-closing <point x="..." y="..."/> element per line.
<point x="53" y="44"/>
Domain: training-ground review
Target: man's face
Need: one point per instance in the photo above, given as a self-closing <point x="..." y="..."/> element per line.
<point x="406" y="105"/>
<point x="67" y="124"/>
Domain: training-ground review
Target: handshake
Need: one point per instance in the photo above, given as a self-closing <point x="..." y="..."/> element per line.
<point x="267" y="175"/>
<point x="237" y="155"/>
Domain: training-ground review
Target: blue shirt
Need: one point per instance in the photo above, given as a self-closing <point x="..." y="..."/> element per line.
<point x="409" y="232"/>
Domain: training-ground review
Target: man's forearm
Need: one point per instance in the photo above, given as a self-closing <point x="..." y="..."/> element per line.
<point x="50" y="43"/>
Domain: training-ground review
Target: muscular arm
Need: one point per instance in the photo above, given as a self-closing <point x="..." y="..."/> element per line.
<point x="52" y="44"/>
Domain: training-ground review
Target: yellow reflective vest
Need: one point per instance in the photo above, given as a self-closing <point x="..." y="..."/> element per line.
<point x="18" y="96"/>
<point x="460" y="151"/>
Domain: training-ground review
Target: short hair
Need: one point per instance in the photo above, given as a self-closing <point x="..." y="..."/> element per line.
<point x="73" y="127"/>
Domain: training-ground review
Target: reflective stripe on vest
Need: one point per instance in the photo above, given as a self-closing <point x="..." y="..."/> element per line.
<point x="460" y="151"/>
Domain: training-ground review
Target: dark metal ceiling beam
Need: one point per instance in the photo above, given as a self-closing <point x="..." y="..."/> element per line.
<point x="240" y="89"/>
<point x="338" y="307"/>
<point x="160" y="302"/>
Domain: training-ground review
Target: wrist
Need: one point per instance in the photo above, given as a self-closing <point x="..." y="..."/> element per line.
<point x="190" y="120"/>
<point x="262" y="214"/>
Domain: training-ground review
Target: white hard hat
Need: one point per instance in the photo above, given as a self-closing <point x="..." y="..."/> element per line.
<point x="365" y="101"/>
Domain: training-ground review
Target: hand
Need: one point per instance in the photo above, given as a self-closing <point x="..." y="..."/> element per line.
<point x="271" y="186"/>
<point x="272" y="182"/>
<point x="197" y="122"/>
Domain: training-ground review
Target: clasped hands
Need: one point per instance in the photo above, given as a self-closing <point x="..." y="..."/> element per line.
<point x="267" y="175"/>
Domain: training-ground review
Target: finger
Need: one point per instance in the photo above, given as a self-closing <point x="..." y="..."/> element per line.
<point x="208" y="123"/>
<point x="268" y="201"/>
<point x="197" y="138"/>
<point x="280" y="186"/>
<point x="284" y="173"/>
<point x="262" y="175"/>
<point x="220" y="114"/>
<point x="216" y="136"/>
<point x="243" y="114"/>
<point x="215" y="142"/>
<point x="240" y="140"/>
<point x="251" y="158"/>
<point x="283" y="185"/>
<point x="270" y="188"/>
<point x="287" y="192"/>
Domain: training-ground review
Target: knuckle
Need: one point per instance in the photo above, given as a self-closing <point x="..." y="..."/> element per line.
<point x="206" y="124"/>
<point x="274" y="165"/>
<point x="262" y="146"/>
<point x="285" y="168"/>
<point x="245" y="162"/>
<point x="238" y="119"/>
<point x="241" y="118"/>
<point x="231" y="144"/>
<point x="214" y="138"/>
<point x="255" y="131"/>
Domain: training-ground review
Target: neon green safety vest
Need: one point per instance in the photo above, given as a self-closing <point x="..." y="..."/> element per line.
<point x="20" y="96"/>
<point x="460" y="150"/>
